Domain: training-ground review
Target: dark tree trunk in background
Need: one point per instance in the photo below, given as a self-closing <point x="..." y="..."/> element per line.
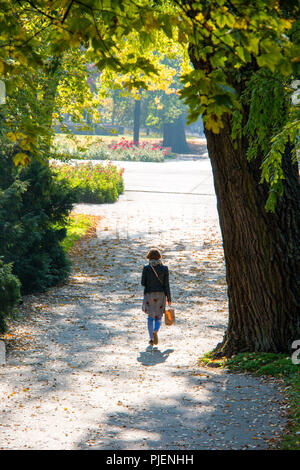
<point x="174" y="136"/>
<point x="136" y="125"/>
<point x="262" y="250"/>
<point x="50" y="95"/>
<point x="115" y="95"/>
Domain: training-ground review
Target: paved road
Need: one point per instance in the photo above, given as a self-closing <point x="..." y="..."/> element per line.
<point x="176" y="176"/>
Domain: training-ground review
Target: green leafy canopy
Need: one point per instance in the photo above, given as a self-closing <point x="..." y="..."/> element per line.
<point x="227" y="42"/>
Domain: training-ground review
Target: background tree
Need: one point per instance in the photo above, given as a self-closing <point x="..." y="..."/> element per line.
<point x="156" y="103"/>
<point x="167" y="112"/>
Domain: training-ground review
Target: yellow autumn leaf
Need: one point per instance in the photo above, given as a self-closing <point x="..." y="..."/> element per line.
<point x="21" y="159"/>
<point x="213" y="124"/>
<point x="286" y="23"/>
<point x="25" y="144"/>
<point x="199" y="17"/>
<point x="12" y="136"/>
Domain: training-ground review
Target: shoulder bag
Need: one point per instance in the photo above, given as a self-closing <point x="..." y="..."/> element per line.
<point x="169" y="312"/>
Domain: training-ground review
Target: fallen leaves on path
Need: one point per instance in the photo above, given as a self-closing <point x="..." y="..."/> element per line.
<point x="88" y="354"/>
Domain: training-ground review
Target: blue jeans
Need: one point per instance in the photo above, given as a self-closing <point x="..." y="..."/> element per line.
<point x="153" y="324"/>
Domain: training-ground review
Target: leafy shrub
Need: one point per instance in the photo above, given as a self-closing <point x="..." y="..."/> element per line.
<point x="93" y="183"/>
<point x="9" y="293"/>
<point x="99" y="151"/>
<point x="32" y="201"/>
<point x="65" y="152"/>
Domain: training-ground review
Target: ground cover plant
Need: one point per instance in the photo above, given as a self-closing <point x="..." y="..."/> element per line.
<point x="99" y="183"/>
<point x="78" y="226"/>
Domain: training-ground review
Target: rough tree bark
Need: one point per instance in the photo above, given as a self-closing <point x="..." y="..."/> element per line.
<point x="262" y="250"/>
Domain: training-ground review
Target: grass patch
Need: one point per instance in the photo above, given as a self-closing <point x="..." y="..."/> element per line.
<point x="276" y="365"/>
<point x="78" y="226"/>
<point x="272" y="365"/>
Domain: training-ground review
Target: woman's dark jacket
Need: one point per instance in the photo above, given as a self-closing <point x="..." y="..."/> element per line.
<point x="152" y="284"/>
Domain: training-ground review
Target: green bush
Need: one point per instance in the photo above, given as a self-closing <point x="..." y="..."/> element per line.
<point x="32" y="201"/>
<point x="9" y="293"/>
<point x="99" y="183"/>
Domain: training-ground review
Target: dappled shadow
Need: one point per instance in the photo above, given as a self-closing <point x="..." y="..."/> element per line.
<point x="84" y="314"/>
<point x="198" y="146"/>
<point x="99" y="308"/>
<point x="221" y="411"/>
<point x="91" y="323"/>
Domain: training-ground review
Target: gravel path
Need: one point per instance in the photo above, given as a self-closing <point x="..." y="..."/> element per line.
<point x="84" y="376"/>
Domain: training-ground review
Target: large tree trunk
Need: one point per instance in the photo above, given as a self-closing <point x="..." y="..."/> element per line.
<point x="174" y="136"/>
<point x="262" y="250"/>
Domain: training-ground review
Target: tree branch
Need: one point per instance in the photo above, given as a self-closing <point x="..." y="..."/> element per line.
<point x="67" y="11"/>
<point x="52" y="18"/>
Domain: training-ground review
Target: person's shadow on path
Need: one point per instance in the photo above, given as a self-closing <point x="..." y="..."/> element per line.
<point x="153" y="356"/>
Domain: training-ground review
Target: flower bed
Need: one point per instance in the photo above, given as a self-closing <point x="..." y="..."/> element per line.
<point x="123" y="150"/>
<point x="97" y="183"/>
<point x="144" y="151"/>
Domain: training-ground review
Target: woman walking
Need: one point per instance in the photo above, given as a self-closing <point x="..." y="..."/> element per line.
<point x="155" y="279"/>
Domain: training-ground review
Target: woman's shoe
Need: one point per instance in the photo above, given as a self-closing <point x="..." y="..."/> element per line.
<point x="151" y="342"/>
<point x="155" y="337"/>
